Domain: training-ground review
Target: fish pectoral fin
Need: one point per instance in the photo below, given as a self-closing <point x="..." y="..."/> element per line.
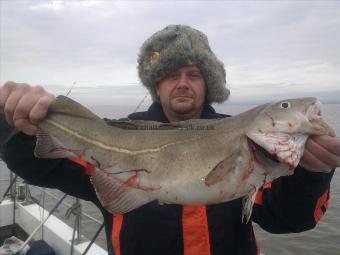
<point x="49" y="147"/>
<point x="115" y="196"/>
<point x="248" y="202"/>
<point x="222" y="169"/>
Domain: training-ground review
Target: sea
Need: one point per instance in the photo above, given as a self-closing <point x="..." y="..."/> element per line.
<point x="324" y="239"/>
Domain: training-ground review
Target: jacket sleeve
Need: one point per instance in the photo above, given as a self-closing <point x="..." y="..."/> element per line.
<point x="293" y="203"/>
<point x="61" y="174"/>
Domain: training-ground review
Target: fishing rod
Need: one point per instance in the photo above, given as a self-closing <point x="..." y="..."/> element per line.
<point x="141" y="102"/>
<point x="40" y="225"/>
<point x="70" y="90"/>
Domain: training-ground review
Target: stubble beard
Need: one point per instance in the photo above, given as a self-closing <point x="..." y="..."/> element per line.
<point x="183" y="108"/>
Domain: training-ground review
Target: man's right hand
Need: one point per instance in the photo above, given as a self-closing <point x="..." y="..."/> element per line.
<point x="24" y="106"/>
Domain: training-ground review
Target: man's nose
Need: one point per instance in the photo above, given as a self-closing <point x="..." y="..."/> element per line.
<point x="183" y="82"/>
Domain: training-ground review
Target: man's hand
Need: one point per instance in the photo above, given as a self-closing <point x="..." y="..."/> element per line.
<point x="24" y="106"/>
<point x="322" y="153"/>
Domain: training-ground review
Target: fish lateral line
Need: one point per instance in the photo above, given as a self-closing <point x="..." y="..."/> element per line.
<point x="115" y="148"/>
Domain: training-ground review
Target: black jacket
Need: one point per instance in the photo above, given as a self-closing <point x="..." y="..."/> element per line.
<point x="290" y="204"/>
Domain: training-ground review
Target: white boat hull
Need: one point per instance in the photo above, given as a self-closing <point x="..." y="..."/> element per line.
<point x="56" y="233"/>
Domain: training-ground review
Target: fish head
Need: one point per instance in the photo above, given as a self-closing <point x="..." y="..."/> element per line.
<point x="278" y="133"/>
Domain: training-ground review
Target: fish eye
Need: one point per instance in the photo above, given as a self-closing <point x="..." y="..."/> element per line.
<point x="285" y="105"/>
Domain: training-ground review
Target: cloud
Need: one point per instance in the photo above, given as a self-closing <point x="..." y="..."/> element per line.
<point x="276" y="46"/>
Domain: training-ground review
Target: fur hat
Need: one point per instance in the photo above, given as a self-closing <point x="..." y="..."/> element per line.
<point x="176" y="46"/>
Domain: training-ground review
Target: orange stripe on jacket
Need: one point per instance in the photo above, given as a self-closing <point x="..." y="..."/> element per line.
<point x="115" y="235"/>
<point x="258" y="251"/>
<point x="87" y="166"/>
<point x="195" y="230"/>
<point x="259" y="194"/>
<point x="322" y="202"/>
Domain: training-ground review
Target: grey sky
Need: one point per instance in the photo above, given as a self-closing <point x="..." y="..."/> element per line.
<point x="271" y="49"/>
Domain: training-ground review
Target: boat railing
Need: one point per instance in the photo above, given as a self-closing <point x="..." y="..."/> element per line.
<point x="68" y="205"/>
<point x="22" y="193"/>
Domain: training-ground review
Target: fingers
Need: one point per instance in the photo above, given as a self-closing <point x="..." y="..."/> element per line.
<point x="13" y="97"/>
<point x="331" y="144"/>
<point x="312" y="163"/>
<point x="33" y="105"/>
<point x="26" y="127"/>
<point x="5" y="91"/>
<point x="324" y="149"/>
<point x="39" y="110"/>
<point x="321" y="153"/>
<point x="24" y="106"/>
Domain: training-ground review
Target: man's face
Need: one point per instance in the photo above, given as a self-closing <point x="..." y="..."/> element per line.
<point x="182" y="93"/>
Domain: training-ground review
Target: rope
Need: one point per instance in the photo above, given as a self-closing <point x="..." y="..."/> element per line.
<point x="40" y="225"/>
<point x="73" y="235"/>
<point x="75" y="209"/>
<point x="93" y="239"/>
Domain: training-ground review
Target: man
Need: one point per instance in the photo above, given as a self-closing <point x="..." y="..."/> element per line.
<point x="183" y="76"/>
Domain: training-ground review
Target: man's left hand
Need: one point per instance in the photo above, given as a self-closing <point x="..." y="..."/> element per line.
<point x="322" y="154"/>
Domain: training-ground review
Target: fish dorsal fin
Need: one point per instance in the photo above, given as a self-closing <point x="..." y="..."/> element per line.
<point x="155" y="125"/>
<point x="66" y="105"/>
<point x="48" y="146"/>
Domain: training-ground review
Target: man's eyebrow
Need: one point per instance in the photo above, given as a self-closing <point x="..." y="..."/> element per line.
<point x="173" y="73"/>
<point x="195" y="71"/>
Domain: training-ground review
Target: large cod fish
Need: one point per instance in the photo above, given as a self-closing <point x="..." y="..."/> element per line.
<point x="188" y="162"/>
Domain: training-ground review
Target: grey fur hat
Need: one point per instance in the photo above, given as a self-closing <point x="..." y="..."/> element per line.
<point x="176" y="46"/>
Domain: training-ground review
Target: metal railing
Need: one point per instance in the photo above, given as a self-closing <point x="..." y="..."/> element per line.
<point x="24" y="195"/>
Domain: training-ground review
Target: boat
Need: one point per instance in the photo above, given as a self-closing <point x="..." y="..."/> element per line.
<point x="38" y="229"/>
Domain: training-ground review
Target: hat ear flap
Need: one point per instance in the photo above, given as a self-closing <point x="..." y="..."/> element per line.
<point x="157" y="90"/>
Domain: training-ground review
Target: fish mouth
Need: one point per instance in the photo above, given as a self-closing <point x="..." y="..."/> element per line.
<point x="318" y="125"/>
